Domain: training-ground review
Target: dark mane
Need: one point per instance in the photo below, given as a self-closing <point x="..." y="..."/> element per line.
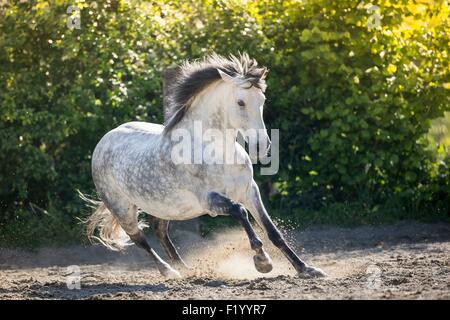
<point x="196" y="76"/>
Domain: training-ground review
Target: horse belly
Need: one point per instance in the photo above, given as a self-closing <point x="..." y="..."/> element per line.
<point x="180" y="205"/>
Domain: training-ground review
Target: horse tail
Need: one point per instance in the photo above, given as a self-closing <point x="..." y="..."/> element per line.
<point x="104" y="227"/>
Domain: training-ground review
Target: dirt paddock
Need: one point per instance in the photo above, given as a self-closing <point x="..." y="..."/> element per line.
<point x="401" y="261"/>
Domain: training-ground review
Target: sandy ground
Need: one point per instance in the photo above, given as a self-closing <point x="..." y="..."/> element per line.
<point x="401" y="261"/>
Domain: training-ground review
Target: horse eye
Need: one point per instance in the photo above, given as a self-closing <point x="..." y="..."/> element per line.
<point x="241" y="103"/>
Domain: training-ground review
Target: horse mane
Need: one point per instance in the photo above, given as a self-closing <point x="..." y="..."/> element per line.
<point x="195" y="76"/>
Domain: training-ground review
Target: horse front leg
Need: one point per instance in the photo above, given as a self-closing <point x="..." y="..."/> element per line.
<point x="258" y="211"/>
<point x="220" y="204"/>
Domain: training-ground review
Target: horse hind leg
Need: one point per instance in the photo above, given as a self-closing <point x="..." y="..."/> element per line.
<point x="161" y="229"/>
<point x="166" y="270"/>
<point x="127" y="217"/>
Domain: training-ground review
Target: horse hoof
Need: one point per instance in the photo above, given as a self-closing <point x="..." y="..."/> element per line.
<point x="311" y="272"/>
<point x="170" y="273"/>
<point x="263" y="263"/>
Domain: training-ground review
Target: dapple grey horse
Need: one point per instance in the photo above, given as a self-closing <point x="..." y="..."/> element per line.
<point x="133" y="165"/>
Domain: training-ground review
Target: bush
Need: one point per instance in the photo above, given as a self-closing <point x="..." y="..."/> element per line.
<point x="356" y="102"/>
<point x="61" y="90"/>
<point x="353" y="103"/>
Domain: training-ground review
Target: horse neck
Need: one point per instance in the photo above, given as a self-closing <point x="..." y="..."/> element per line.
<point x="208" y="109"/>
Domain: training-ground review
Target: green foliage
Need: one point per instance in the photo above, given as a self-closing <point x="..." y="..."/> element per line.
<point x="439" y="135"/>
<point x="353" y="103"/>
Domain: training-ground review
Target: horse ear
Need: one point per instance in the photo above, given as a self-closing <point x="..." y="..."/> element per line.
<point x="226" y="77"/>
